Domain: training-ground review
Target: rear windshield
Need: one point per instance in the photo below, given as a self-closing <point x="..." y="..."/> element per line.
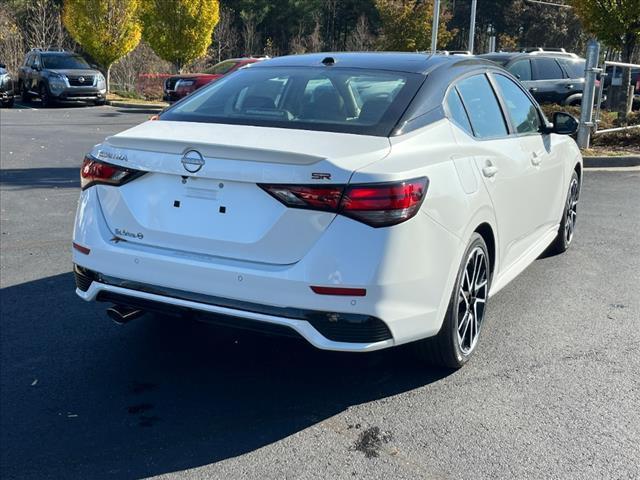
<point x="221" y="68"/>
<point x="64" y="61"/>
<point x="359" y="101"/>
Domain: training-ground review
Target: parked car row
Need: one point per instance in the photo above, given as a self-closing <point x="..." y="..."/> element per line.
<point x="179" y="86"/>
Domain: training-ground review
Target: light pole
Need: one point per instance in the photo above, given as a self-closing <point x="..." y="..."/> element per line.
<point x="434" y="28"/>
<point x="472" y="27"/>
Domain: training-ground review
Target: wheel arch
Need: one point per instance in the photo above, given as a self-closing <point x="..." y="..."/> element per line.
<point x="486" y="232"/>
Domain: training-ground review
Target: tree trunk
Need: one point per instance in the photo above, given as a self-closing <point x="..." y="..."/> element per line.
<point x="108" y="78"/>
<point x="626" y="93"/>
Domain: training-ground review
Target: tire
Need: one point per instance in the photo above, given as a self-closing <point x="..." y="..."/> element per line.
<point x="45" y="96"/>
<point x="569" y="215"/>
<point x="458" y="337"/>
<point x="10" y="103"/>
<point x="100" y="103"/>
<point x="24" y="94"/>
<point x="573" y="100"/>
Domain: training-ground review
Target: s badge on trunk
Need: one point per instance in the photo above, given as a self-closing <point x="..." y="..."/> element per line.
<point x="192" y="161"/>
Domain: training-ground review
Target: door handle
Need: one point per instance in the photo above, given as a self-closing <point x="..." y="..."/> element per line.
<point x="489" y="170"/>
<point x="569" y="87"/>
<point x="535" y="160"/>
<point x="533" y="89"/>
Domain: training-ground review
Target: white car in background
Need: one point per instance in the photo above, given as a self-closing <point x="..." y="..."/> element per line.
<point x="358" y="200"/>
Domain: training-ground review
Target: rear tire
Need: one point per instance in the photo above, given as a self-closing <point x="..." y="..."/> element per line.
<point x="458" y="337"/>
<point x="569" y="216"/>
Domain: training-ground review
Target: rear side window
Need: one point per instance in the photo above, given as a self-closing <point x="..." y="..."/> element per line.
<point x="457" y="112"/>
<point x="521" y="70"/>
<point x="523" y="112"/>
<point x="547" y="69"/>
<point x="482" y="106"/>
<point x="222" y="67"/>
<point x="575" y="68"/>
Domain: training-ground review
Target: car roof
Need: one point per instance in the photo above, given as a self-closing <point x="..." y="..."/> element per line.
<point x="59" y="54"/>
<point x="511" y="55"/>
<point x="421" y="63"/>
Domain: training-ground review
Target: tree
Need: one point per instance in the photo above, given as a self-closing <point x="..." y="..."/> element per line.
<point x="617" y="24"/>
<point x="106" y="29"/>
<point x="43" y="26"/>
<point x="179" y="31"/>
<point x="406" y="25"/>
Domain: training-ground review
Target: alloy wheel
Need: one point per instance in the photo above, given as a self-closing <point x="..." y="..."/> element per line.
<point x="472" y="299"/>
<point x="571" y="213"/>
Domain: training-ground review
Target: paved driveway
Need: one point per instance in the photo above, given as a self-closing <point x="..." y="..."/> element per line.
<point x="553" y="392"/>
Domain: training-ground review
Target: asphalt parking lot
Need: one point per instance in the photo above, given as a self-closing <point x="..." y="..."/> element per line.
<point x="553" y="391"/>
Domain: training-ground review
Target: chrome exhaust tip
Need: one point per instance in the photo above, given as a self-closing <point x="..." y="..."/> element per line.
<point x="121" y="314"/>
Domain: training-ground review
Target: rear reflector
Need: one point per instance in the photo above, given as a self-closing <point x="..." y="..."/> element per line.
<point x="97" y="172"/>
<point x="81" y="249"/>
<point x="351" y="292"/>
<point x="376" y="204"/>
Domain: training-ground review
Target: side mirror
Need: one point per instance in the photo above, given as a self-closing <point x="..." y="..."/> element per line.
<point x="564" y="123"/>
<point x="94" y="66"/>
<point x="37" y="68"/>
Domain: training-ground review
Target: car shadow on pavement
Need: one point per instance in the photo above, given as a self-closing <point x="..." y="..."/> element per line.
<point x="82" y="397"/>
<point x="27" y="178"/>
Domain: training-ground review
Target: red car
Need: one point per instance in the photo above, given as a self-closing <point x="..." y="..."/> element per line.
<point x="179" y="86"/>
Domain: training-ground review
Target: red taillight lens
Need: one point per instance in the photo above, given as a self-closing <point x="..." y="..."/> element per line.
<point x="377" y="205"/>
<point x="96" y="172"/>
<point x="309" y="197"/>
<point x="383" y="205"/>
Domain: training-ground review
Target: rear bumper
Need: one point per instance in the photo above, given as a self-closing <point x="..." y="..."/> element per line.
<point x="407" y="270"/>
<point x="326" y="330"/>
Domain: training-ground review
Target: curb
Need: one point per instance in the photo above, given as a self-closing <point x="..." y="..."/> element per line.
<point x="612" y="162"/>
<point x="136" y="106"/>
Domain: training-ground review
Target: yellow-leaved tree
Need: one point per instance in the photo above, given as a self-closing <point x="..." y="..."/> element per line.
<point x="406" y="25"/>
<point x="106" y="29"/>
<point x="179" y="31"/>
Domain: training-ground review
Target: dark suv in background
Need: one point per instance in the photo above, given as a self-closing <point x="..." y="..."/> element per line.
<point x="6" y="87"/>
<point x="60" y="76"/>
<point x="550" y="76"/>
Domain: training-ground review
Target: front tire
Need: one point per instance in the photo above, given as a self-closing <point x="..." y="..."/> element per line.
<point x="24" y="93"/>
<point x="45" y="96"/>
<point x="569" y="215"/>
<point x="458" y="337"/>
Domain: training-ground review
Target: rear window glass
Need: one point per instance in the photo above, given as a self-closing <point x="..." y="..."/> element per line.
<point x="456" y="110"/>
<point x="521" y="70"/>
<point x="548" y="69"/>
<point x="575" y="68"/>
<point x="482" y="106"/>
<point x="366" y="102"/>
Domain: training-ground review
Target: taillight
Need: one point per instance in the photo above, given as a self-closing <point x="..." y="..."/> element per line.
<point x="97" y="172"/>
<point x="377" y="204"/>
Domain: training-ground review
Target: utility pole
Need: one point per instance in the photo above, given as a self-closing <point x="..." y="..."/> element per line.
<point x="588" y="95"/>
<point x="472" y="26"/>
<point x="434" y="28"/>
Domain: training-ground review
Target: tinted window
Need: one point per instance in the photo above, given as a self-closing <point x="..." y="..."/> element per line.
<point x="303" y="98"/>
<point x="548" y="69"/>
<point x="456" y="109"/>
<point x="523" y="112"/>
<point x="64" y="61"/>
<point x="575" y="68"/>
<point x="521" y="70"/>
<point x="222" y="67"/>
<point x="482" y="106"/>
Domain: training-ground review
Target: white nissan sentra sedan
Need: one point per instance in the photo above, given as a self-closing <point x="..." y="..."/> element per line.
<point x="358" y="200"/>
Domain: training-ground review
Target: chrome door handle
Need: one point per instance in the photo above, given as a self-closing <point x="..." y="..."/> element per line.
<point x="533" y="89"/>
<point x="489" y="170"/>
<point x="569" y="87"/>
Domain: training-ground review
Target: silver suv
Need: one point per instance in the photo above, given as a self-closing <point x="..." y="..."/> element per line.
<point x="60" y="76"/>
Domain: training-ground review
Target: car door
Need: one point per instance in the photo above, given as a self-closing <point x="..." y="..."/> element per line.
<point x="545" y="169"/>
<point x="34" y="72"/>
<point x="549" y="84"/>
<point x="25" y="71"/>
<point x="503" y="165"/>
